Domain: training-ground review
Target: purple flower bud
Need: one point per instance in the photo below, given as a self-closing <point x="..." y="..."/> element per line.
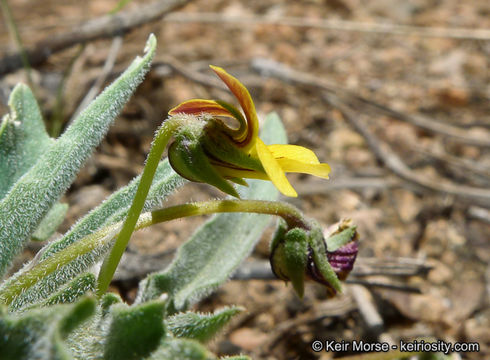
<point x="300" y="254"/>
<point x="342" y="260"/>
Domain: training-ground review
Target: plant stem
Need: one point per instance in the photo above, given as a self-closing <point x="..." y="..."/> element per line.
<point x="103" y="237"/>
<point x="292" y="216"/>
<point x="159" y="144"/>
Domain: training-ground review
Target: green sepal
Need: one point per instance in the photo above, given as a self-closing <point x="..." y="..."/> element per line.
<point x="296" y="258"/>
<point x="239" y="181"/>
<point x="289" y="256"/>
<point x="134" y="332"/>
<point x="221" y="147"/>
<point x="317" y="244"/>
<point x="189" y="161"/>
<point x="279" y="234"/>
<point x="200" y="327"/>
<point x="340" y="239"/>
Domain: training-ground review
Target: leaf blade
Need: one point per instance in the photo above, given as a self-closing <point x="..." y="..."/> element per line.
<point x="23" y="137"/>
<point x="32" y="196"/>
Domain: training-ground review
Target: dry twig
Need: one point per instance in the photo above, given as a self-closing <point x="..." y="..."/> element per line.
<point x="339" y="99"/>
<point x="190" y="74"/>
<point x="337" y="25"/>
<point x="313" y="187"/>
<point x="394" y="163"/>
<point x="479" y="213"/>
<point x="339" y="306"/>
<point x="102" y="27"/>
<point x="367" y="308"/>
<point x="167" y="66"/>
<point x="468" y="169"/>
<point x="261" y="270"/>
<point x="274" y="69"/>
<point x="106" y="70"/>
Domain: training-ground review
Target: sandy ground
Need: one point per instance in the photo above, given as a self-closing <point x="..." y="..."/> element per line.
<point x="444" y="80"/>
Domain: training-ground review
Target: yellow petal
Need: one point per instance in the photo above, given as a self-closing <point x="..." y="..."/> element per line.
<point x="245" y="100"/>
<point x="200" y="106"/>
<point x="293" y="152"/>
<point x="288" y="165"/>
<point x="273" y="170"/>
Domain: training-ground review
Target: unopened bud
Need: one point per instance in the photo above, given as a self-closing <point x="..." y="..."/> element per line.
<point x="298" y="254"/>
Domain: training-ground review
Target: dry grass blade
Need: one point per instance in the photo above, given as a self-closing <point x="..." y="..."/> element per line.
<point x="340" y="98"/>
<point x="337" y="25"/>
<point x="280" y="71"/>
<point x="102" y="27"/>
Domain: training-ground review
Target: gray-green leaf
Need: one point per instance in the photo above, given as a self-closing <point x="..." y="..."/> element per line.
<point x="134" y="332"/>
<point x="113" y="209"/>
<point x="73" y="290"/>
<point x="200" y="327"/>
<point x="30" y="198"/>
<point x="181" y="349"/>
<point x="23" y="137"/>
<point x="50" y="222"/>
<point x="40" y="333"/>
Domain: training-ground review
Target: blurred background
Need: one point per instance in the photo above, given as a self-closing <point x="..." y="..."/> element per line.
<point x="394" y="95"/>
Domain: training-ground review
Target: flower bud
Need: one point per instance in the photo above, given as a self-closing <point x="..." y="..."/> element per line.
<point x="298" y="254"/>
<point x="190" y="160"/>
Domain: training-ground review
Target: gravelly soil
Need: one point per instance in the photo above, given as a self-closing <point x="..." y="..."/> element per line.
<point x="447" y="80"/>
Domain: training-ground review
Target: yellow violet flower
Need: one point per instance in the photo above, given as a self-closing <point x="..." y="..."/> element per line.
<point x="267" y="162"/>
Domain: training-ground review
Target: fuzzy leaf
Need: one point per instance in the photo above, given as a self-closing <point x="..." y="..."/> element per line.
<point x="181" y="349"/>
<point x="39" y="333"/>
<point x="73" y="290"/>
<point x="134" y="331"/>
<point x="23" y="137"/>
<point x="107" y="301"/>
<point x="211" y="255"/>
<point x="51" y="222"/>
<point x="76" y="315"/>
<point x="113" y="209"/>
<point x="200" y="327"/>
<point x="31" y="197"/>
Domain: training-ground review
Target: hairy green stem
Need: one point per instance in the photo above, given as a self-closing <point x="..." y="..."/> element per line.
<point x="289" y="213"/>
<point x="159" y="144"/>
<point x="292" y="216"/>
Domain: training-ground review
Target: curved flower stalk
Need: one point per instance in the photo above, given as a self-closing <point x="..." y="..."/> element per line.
<point x="214" y="152"/>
